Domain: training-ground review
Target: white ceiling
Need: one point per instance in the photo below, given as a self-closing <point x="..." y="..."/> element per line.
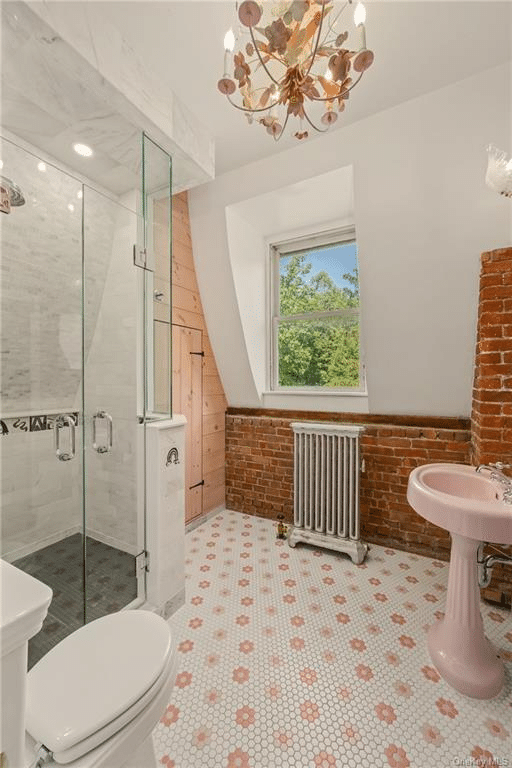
<point x="419" y="47"/>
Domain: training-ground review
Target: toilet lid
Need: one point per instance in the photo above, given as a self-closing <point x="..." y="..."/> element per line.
<point x="94" y="675"/>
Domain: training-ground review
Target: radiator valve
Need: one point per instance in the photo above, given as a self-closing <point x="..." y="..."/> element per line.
<point x="282" y="529"/>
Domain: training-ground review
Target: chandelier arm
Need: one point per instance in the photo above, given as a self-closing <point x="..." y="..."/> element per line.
<point x="333" y="23"/>
<point x="320" y="130"/>
<point x="282" y="129"/>
<point x="313" y="53"/>
<point x="261" y="59"/>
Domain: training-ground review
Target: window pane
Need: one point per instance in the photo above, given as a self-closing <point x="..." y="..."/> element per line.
<point x="319" y="353"/>
<point x="319" y="280"/>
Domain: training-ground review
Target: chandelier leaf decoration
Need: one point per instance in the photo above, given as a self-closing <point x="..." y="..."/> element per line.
<point x="294" y="57"/>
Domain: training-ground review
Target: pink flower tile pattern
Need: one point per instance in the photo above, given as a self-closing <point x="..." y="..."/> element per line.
<point x="296" y="658"/>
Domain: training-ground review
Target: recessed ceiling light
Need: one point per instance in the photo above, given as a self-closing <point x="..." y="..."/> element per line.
<point x="41" y="166"/>
<point x="82" y="149"/>
<point x="71" y="207"/>
<point x="79" y="194"/>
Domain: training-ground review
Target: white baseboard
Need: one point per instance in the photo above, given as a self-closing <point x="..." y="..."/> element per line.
<point x="29" y="549"/>
<point x="200" y="519"/>
<point x="111" y="541"/>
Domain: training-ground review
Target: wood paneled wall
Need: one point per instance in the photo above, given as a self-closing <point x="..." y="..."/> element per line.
<point x="187" y="311"/>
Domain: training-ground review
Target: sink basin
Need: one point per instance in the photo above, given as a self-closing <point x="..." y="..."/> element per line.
<point x="470" y="506"/>
<point x="462" y="501"/>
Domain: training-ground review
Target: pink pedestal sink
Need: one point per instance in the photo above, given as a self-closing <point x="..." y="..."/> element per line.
<point x="470" y="507"/>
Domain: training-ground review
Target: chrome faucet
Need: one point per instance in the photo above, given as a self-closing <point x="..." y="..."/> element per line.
<point x="497" y="473"/>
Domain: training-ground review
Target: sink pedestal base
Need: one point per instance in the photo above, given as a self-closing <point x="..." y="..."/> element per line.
<point x="457" y="644"/>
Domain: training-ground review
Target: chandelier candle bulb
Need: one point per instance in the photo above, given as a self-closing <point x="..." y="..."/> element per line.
<point x="359" y="20"/>
<point x="229" y="44"/>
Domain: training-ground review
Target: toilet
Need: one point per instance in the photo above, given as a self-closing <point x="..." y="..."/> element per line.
<point x="94" y="699"/>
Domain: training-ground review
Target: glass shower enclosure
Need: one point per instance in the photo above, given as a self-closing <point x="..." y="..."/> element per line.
<point x="79" y="337"/>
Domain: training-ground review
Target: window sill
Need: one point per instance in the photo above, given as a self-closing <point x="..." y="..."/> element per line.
<point x="312" y="393"/>
<point x="307" y="400"/>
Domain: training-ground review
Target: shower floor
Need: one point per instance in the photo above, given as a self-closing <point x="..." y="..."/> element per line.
<point x="111" y="583"/>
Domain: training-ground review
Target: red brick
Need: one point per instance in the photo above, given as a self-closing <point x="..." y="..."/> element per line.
<point x="491" y="305"/>
<point x="501" y="266"/>
<point x="495" y="292"/>
<point x="491" y="345"/>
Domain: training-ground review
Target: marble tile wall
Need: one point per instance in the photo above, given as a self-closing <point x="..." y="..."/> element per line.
<point x="41" y="496"/>
<point x="41" y="269"/>
<point x="41" y="356"/>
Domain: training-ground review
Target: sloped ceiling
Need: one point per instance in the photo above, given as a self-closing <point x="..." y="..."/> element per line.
<point x="419" y="47"/>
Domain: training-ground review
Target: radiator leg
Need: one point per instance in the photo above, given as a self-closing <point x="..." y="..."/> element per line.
<point x="355" y="549"/>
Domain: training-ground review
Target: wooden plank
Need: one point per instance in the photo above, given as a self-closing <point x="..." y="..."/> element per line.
<point x="214" y="479"/>
<point x="214" y="452"/>
<point x="214" y="497"/>
<point x="196" y="414"/>
<point x="184" y="277"/>
<point x="214" y="404"/>
<point x="187" y="319"/>
<point x="161" y="309"/>
<point x="187" y="399"/>
<point x="176" y="372"/>
<point x="209" y="366"/>
<point x="212" y="385"/>
<point x="161" y="248"/>
<point x="214" y="422"/>
<point x="161" y="332"/>
<point x="195" y="504"/>
<point x="182" y="253"/>
<point x="187" y="300"/>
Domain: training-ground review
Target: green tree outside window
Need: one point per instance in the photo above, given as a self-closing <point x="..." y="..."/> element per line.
<point x="321" y="350"/>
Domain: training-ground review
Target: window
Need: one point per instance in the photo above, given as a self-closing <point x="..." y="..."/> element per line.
<point x="315" y="314"/>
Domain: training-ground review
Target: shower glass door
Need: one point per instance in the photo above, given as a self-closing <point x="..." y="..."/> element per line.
<point x="113" y="382"/>
<point x="72" y="392"/>
<point x="41" y="385"/>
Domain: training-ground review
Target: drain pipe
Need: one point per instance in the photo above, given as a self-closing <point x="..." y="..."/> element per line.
<point x="486" y="563"/>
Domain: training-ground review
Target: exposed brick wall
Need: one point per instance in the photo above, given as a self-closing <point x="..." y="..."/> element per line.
<point x="259" y="466"/>
<point x="390" y="454"/>
<point x="259" y="471"/>
<point x="491" y="416"/>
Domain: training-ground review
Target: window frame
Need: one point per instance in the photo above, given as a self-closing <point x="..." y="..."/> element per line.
<point x="296" y="245"/>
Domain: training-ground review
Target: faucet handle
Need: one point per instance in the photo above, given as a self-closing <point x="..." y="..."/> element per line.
<point x="507" y="496"/>
<point x="501" y="465"/>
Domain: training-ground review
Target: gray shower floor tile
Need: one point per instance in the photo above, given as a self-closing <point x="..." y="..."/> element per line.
<point x="110" y="584"/>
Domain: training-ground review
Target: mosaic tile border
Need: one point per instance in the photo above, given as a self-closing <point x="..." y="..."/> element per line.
<point x="40" y="423"/>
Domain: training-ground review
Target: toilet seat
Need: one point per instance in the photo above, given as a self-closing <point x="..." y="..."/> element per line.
<point x="96" y="680"/>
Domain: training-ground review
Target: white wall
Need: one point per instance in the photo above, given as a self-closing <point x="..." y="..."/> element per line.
<point x="423" y="215"/>
<point x="322" y="203"/>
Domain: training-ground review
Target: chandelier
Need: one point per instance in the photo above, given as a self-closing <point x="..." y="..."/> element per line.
<point x="293" y="58"/>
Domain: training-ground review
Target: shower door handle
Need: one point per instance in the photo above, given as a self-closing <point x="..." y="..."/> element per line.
<point x="110" y="432"/>
<point x="64" y="420"/>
